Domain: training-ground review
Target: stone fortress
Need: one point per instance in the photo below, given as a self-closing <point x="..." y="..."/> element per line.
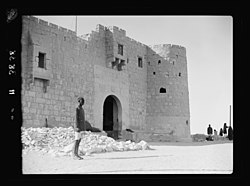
<point x="125" y="84"/>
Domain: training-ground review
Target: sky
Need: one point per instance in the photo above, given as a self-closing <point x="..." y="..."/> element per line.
<point x="209" y="48"/>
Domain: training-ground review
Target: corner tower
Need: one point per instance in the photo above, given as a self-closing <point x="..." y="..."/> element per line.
<point x="167" y="93"/>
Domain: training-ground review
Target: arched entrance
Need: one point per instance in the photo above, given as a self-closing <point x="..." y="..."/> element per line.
<point x="112" y="118"/>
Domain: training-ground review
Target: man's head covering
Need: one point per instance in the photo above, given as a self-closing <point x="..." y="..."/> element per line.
<point x="80" y="98"/>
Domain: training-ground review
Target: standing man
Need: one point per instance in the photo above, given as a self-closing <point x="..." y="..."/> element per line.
<point x="221" y="132"/>
<point x="78" y="128"/>
<point x="230" y="133"/>
<point x="209" y="132"/>
<point x="225" y="129"/>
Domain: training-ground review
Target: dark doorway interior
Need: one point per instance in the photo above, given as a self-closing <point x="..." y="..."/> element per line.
<point x="110" y="117"/>
<point x="108" y="114"/>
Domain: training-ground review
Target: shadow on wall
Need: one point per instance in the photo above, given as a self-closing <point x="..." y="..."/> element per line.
<point x="90" y="128"/>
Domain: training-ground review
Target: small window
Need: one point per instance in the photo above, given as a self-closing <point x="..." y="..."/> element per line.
<point x="120" y="49"/>
<point x="139" y="62"/>
<point x="41" y="60"/>
<point x="159" y="62"/>
<point x="179" y="74"/>
<point x="187" y="122"/>
<point x="154" y="73"/>
<point x="148" y="62"/>
<point x="162" y="90"/>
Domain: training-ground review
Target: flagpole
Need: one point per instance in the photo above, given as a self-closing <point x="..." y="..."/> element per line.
<point x="230" y="117"/>
<point x="76" y="26"/>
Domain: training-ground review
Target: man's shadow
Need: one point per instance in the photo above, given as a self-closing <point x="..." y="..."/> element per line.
<point x="91" y="128"/>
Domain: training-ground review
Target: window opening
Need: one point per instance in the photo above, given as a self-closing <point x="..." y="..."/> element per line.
<point x="179" y="74"/>
<point x="159" y="62"/>
<point x="162" y="90"/>
<point x="139" y="62"/>
<point x="154" y="73"/>
<point x="120" y="49"/>
<point x="41" y="60"/>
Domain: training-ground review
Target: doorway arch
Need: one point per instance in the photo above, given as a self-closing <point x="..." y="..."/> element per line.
<point x="112" y="116"/>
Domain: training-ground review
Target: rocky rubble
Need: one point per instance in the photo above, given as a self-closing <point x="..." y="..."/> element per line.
<point x="58" y="141"/>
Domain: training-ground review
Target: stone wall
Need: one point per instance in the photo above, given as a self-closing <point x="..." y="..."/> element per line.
<point x="167" y="103"/>
<point x="68" y="74"/>
<point x="91" y="66"/>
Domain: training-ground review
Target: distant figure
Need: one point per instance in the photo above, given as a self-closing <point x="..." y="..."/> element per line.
<point x="230" y="133"/>
<point x="221" y="132"/>
<point x="209" y="132"/>
<point x="225" y="129"/>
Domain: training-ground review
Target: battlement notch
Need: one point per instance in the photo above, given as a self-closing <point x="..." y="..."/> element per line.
<point x="118" y="30"/>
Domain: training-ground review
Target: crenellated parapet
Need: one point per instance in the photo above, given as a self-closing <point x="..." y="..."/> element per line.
<point x="117" y="31"/>
<point x="49" y="25"/>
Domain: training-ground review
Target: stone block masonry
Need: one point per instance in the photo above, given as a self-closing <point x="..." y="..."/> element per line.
<point x="147" y="85"/>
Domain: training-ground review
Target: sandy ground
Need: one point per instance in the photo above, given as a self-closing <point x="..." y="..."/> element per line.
<point x="165" y="158"/>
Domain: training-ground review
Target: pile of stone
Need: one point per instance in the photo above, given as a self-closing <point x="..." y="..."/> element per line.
<point x="199" y="137"/>
<point x="59" y="141"/>
<point x="46" y="138"/>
